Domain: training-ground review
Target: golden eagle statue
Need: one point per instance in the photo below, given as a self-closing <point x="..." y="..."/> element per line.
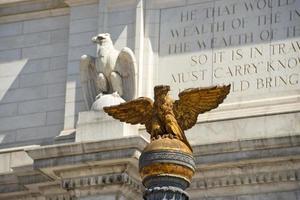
<point x="168" y="118"/>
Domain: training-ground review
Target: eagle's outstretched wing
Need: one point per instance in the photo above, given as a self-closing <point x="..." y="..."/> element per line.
<point x="88" y="77"/>
<point x="138" y="111"/>
<point x="194" y="101"/>
<point x="126" y="66"/>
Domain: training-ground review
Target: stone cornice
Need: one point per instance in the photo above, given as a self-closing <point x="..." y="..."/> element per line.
<point x="247" y="179"/>
<point x="243" y="153"/>
<point x="34" y="15"/>
<point x="245" y="184"/>
<point x="247" y="145"/>
<point x="72" y="170"/>
<point x="5" y="2"/>
<point x="97" y="184"/>
<point x="78" y="148"/>
<point x="12" y="7"/>
<point x="80" y="2"/>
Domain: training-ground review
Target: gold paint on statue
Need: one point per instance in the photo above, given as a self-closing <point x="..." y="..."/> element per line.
<point x="166" y="118"/>
<point x="166" y="121"/>
<point x="162" y="169"/>
<point x="168" y="144"/>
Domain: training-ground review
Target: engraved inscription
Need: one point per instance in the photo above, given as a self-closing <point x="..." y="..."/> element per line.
<point x="252" y="44"/>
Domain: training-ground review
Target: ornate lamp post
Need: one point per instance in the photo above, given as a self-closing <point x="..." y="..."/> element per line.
<point x="167" y="164"/>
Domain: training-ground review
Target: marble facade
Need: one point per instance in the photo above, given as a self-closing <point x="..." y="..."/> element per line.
<point x="51" y="147"/>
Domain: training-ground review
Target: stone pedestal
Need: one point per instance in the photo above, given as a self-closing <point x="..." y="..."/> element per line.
<point x="97" y="125"/>
<point x="166" y="167"/>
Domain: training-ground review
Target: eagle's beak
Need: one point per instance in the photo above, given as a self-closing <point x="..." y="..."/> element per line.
<point x="97" y="39"/>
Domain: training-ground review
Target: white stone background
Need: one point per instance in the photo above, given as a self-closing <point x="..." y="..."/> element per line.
<point x="39" y="74"/>
<point x="40" y="93"/>
<point x="33" y="73"/>
<point x="254" y="114"/>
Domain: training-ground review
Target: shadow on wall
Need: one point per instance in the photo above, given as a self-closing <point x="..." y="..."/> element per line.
<point x="31" y="102"/>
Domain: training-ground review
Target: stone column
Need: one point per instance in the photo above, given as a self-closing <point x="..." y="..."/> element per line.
<point x="82" y="27"/>
<point x="166" y="167"/>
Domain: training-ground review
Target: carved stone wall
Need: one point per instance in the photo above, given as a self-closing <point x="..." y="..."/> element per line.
<point x="256" y="169"/>
<point x="247" y="149"/>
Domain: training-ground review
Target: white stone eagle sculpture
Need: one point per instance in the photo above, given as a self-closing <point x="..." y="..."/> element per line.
<point x="112" y="71"/>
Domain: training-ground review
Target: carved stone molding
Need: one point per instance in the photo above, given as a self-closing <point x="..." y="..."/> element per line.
<point x="60" y="197"/>
<point x="69" y="171"/>
<point x="101" y="180"/>
<point x="116" y="183"/>
<point x="246" y="179"/>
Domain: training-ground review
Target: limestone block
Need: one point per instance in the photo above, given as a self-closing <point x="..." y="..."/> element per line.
<point x="69" y="123"/>
<point x="77" y="95"/>
<point x="84" y="38"/>
<point x="58" y="62"/>
<point x="11" y="29"/>
<point x="9" y="82"/>
<point x="23" y="94"/>
<point x="97" y="125"/>
<point x="85" y="11"/>
<point x="55" y="117"/>
<point x="12" y="68"/>
<point x="42" y="105"/>
<point x="24" y="40"/>
<point x="46" y="24"/>
<point x="56" y="76"/>
<point x="152" y="16"/>
<point x="54" y="130"/>
<point x="270" y="196"/>
<point x="36" y="65"/>
<point x="38" y="133"/>
<point x="157" y="4"/>
<point x="244" y="129"/>
<point x="76" y="52"/>
<point x="56" y="90"/>
<point x="84" y="25"/>
<point x="7" y="137"/>
<point x="45" y="51"/>
<point x="119" y="5"/>
<point x="120" y="43"/>
<point x="7" y="110"/>
<point x="20" y="158"/>
<point x="33" y="120"/>
<point x="35" y="79"/>
<point x="121" y="17"/>
<point x="10" y="55"/>
<point x="122" y="31"/>
<point x="74" y="107"/>
<point x="59" y="35"/>
<point x="152" y="30"/>
<point x="73" y="68"/>
<point x="73" y="81"/>
<point x="5" y="162"/>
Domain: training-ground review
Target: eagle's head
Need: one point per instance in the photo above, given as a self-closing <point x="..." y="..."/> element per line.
<point x="161" y="90"/>
<point x="102" y="39"/>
